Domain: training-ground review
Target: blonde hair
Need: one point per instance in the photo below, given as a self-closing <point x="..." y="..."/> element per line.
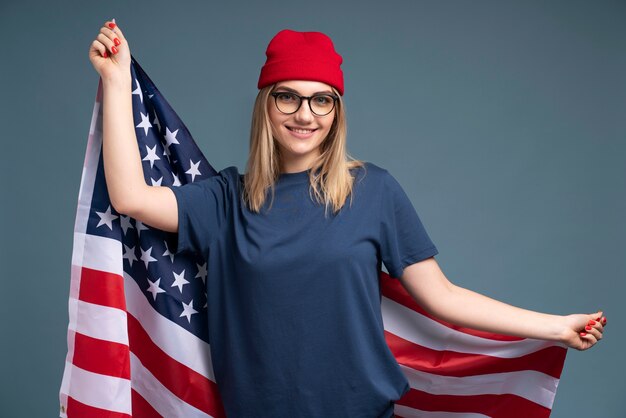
<point x="331" y="185"/>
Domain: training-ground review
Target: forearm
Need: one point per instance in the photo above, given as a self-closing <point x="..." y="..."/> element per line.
<point x="472" y="310"/>
<point x="122" y="161"/>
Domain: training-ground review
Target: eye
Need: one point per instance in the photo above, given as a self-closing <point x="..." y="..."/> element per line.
<point x="286" y="97"/>
<point x="323" y="100"/>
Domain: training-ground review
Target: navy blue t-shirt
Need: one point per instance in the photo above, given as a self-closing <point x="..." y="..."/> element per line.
<point x="295" y="323"/>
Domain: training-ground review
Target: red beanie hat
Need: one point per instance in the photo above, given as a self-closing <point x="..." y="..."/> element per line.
<point x="293" y="55"/>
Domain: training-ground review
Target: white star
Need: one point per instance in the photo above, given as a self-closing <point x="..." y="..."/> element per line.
<point x="156" y="121"/>
<point x="168" y="154"/>
<point x="138" y="91"/>
<point x="145" y="123"/>
<point x="106" y="218"/>
<point x="170" y="137"/>
<point x="188" y="310"/>
<point x="129" y="254"/>
<point x="154" y="288"/>
<point x="146" y="256"/>
<point x="140" y="227"/>
<point x="126" y="225"/>
<point x="156" y="182"/>
<point x="151" y="155"/>
<point x="179" y="280"/>
<point x="176" y="180"/>
<point x="168" y="252"/>
<point x="150" y="96"/>
<point x="193" y="171"/>
<point x="201" y="272"/>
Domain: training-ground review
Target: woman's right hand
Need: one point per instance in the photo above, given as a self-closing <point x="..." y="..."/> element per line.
<point x="109" y="53"/>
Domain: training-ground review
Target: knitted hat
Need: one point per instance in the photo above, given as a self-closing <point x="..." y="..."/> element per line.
<point x="293" y="55"/>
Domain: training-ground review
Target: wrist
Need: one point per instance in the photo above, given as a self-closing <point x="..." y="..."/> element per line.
<point x="117" y="82"/>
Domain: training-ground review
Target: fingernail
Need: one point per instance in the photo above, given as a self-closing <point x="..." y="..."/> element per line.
<point x="592" y="322"/>
<point x="112" y="25"/>
<point x="597" y="319"/>
<point x="582" y="334"/>
<point x="114" y="50"/>
<point x="105" y="54"/>
<point x="117" y="41"/>
<point x="588" y="328"/>
<point x="604" y="321"/>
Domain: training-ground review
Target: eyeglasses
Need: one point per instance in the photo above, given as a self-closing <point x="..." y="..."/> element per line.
<point x="289" y="103"/>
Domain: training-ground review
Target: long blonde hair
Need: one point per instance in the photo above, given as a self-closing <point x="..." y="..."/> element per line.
<point x="331" y="185"/>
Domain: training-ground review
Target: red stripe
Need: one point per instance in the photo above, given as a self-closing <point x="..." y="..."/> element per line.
<point x="549" y="360"/>
<point x="393" y="289"/>
<point x="76" y="409"/>
<point x="187" y="384"/>
<point x="141" y="408"/>
<point x="101" y="356"/>
<point x="494" y="406"/>
<point x="102" y="288"/>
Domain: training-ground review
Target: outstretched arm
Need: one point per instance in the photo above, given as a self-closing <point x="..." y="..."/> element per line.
<point x="427" y="284"/>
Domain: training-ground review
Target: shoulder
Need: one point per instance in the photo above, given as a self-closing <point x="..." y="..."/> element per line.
<point x="372" y="173"/>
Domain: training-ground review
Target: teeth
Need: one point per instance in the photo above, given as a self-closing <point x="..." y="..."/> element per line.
<point x="302" y="131"/>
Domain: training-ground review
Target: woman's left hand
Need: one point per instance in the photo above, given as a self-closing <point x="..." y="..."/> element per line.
<point x="583" y="331"/>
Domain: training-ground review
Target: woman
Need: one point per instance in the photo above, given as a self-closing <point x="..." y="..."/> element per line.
<point x="297" y="242"/>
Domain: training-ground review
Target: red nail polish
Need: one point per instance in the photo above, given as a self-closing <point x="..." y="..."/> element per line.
<point x="604" y="321"/>
<point x="112" y="25"/>
<point x="117" y="41"/>
<point x="114" y="50"/>
<point x="591" y="322"/>
<point x="588" y="328"/>
<point x="597" y="319"/>
<point x="583" y="334"/>
<point x="105" y="54"/>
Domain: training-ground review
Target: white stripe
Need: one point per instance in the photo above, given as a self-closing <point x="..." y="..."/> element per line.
<point x="98" y="390"/>
<point x="175" y="341"/>
<point x="419" y="329"/>
<point x="158" y="396"/>
<point x="99" y="253"/>
<point x="407" y="412"/>
<point x="99" y="321"/>
<point x="529" y="384"/>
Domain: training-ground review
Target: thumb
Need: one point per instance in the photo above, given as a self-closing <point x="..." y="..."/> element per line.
<point x="597" y="315"/>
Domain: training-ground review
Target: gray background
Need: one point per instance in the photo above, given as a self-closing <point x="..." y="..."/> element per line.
<point x="503" y="121"/>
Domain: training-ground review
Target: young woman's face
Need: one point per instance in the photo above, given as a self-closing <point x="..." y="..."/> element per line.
<point x="300" y="134"/>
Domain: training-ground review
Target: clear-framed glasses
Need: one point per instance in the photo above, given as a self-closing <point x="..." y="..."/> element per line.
<point x="320" y="104"/>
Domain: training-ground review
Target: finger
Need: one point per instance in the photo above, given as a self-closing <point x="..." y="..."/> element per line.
<point x="98" y="48"/>
<point x="115" y="29"/>
<point x="109" y="33"/>
<point x="107" y="42"/>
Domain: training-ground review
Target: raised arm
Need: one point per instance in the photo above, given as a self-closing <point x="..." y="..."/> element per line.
<point x="427" y="284"/>
<point x="153" y="205"/>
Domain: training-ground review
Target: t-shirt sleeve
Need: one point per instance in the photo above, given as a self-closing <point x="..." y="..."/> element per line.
<point x="202" y="213"/>
<point x="403" y="238"/>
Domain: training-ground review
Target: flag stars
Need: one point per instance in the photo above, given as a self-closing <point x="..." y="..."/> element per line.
<point x="141" y="227"/>
<point x="129" y="254"/>
<point x="106" y="218"/>
<point x="176" y="180"/>
<point x="151" y="155"/>
<point x="155" y="288"/>
<point x="179" y="280"/>
<point x="188" y="310"/>
<point x="125" y="222"/>
<point x="168" y="252"/>
<point x="202" y="273"/>
<point x="193" y="171"/>
<point x="156" y="182"/>
<point x="145" y="123"/>
<point x="156" y="122"/>
<point x="138" y="91"/>
<point x="146" y="256"/>
<point x="170" y="137"/>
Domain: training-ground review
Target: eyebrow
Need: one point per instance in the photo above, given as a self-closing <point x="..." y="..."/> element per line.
<point x="297" y="92"/>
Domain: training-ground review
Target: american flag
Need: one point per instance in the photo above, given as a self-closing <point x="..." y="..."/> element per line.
<point x="138" y="330"/>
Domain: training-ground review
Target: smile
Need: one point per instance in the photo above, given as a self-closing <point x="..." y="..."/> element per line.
<point x="301" y="131"/>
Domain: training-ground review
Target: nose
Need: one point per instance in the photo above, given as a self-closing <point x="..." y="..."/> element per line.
<point x="304" y="114"/>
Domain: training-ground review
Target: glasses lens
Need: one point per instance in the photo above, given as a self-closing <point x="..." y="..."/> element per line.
<point x="322" y="104"/>
<point x="287" y="102"/>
